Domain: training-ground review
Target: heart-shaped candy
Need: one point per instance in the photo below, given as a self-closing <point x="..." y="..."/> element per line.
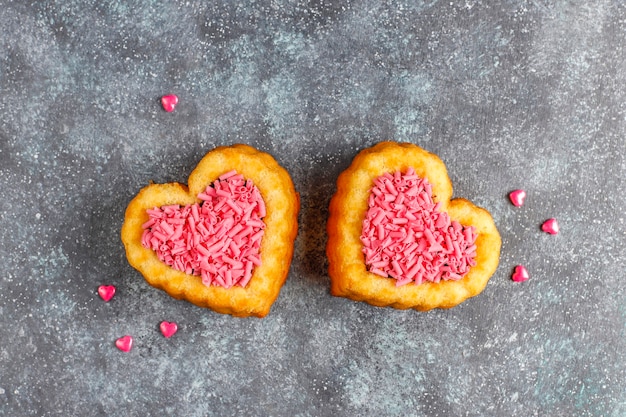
<point x="453" y="244"/>
<point x="169" y="102"/>
<point x="550" y="226"/>
<point x="106" y="292"/>
<point x="517" y="197"/>
<point x="168" y="329"/>
<point x="520" y="274"/>
<point x="276" y="246"/>
<point x="125" y="343"/>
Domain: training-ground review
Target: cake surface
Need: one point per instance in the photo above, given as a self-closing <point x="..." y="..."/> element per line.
<point x="282" y="204"/>
<point x="348" y="272"/>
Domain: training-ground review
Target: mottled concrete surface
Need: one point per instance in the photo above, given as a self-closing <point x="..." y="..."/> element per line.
<point x="515" y="94"/>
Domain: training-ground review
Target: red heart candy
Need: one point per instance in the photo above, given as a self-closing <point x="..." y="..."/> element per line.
<point x="168" y="329"/>
<point x="517" y="197"/>
<point x="106" y="292"/>
<point x="169" y="102"/>
<point x="125" y="343"/>
<point x="520" y="274"/>
<point x="550" y="226"/>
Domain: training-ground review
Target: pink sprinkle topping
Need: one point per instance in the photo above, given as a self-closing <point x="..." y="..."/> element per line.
<point x="169" y="102"/>
<point x="218" y="239"/>
<point x="520" y="274"/>
<point x="405" y="235"/>
<point x="517" y="197"/>
<point x="550" y="226"/>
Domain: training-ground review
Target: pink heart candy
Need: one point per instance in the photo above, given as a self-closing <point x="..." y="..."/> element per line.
<point x="517" y="197"/>
<point x="125" y="343"/>
<point x="106" y="292"/>
<point x="550" y="226"/>
<point x="168" y="329"/>
<point x="169" y="102"/>
<point x="520" y="274"/>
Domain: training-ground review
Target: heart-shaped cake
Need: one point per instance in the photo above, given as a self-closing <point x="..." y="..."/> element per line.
<point x="225" y="241"/>
<point x="396" y="238"/>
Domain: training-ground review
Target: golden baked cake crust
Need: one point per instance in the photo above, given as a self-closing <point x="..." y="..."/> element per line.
<point x="348" y="273"/>
<point x="282" y="205"/>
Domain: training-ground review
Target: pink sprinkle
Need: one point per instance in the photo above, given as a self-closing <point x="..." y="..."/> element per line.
<point x="407" y="237"/>
<point x="247" y="274"/>
<point x="520" y="274"/>
<point x="517" y="197"/>
<point x="379" y="272"/>
<point x="212" y="239"/>
<point x="261" y="203"/>
<point x="550" y="226"/>
<point x="147" y="224"/>
<point x="169" y="102"/>
<point x="403" y="281"/>
<point x="227" y="175"/>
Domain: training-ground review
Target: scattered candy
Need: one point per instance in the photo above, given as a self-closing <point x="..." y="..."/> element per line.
<point x="520" y="274"/>
<point x="125" y="344"/>
<point x="517" y="197"/>
<point x="169" y="102"/>
<point x="550" y="226"/>
<point x="168" y="329"/>
<point x="106" y="292"/>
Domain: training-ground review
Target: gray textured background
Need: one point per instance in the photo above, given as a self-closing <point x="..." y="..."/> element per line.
<point x="514" y="94"/>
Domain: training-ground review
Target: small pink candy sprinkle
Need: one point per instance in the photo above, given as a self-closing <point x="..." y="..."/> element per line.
<point x="168" y="329"/>
<point x="106" y="292"/>
<point x="517" y="197"/>
<point x="169" y="102"/>
<point x="550" y="226"/>
<point x="125" y="343"/>
<point x="520" y="274"/>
